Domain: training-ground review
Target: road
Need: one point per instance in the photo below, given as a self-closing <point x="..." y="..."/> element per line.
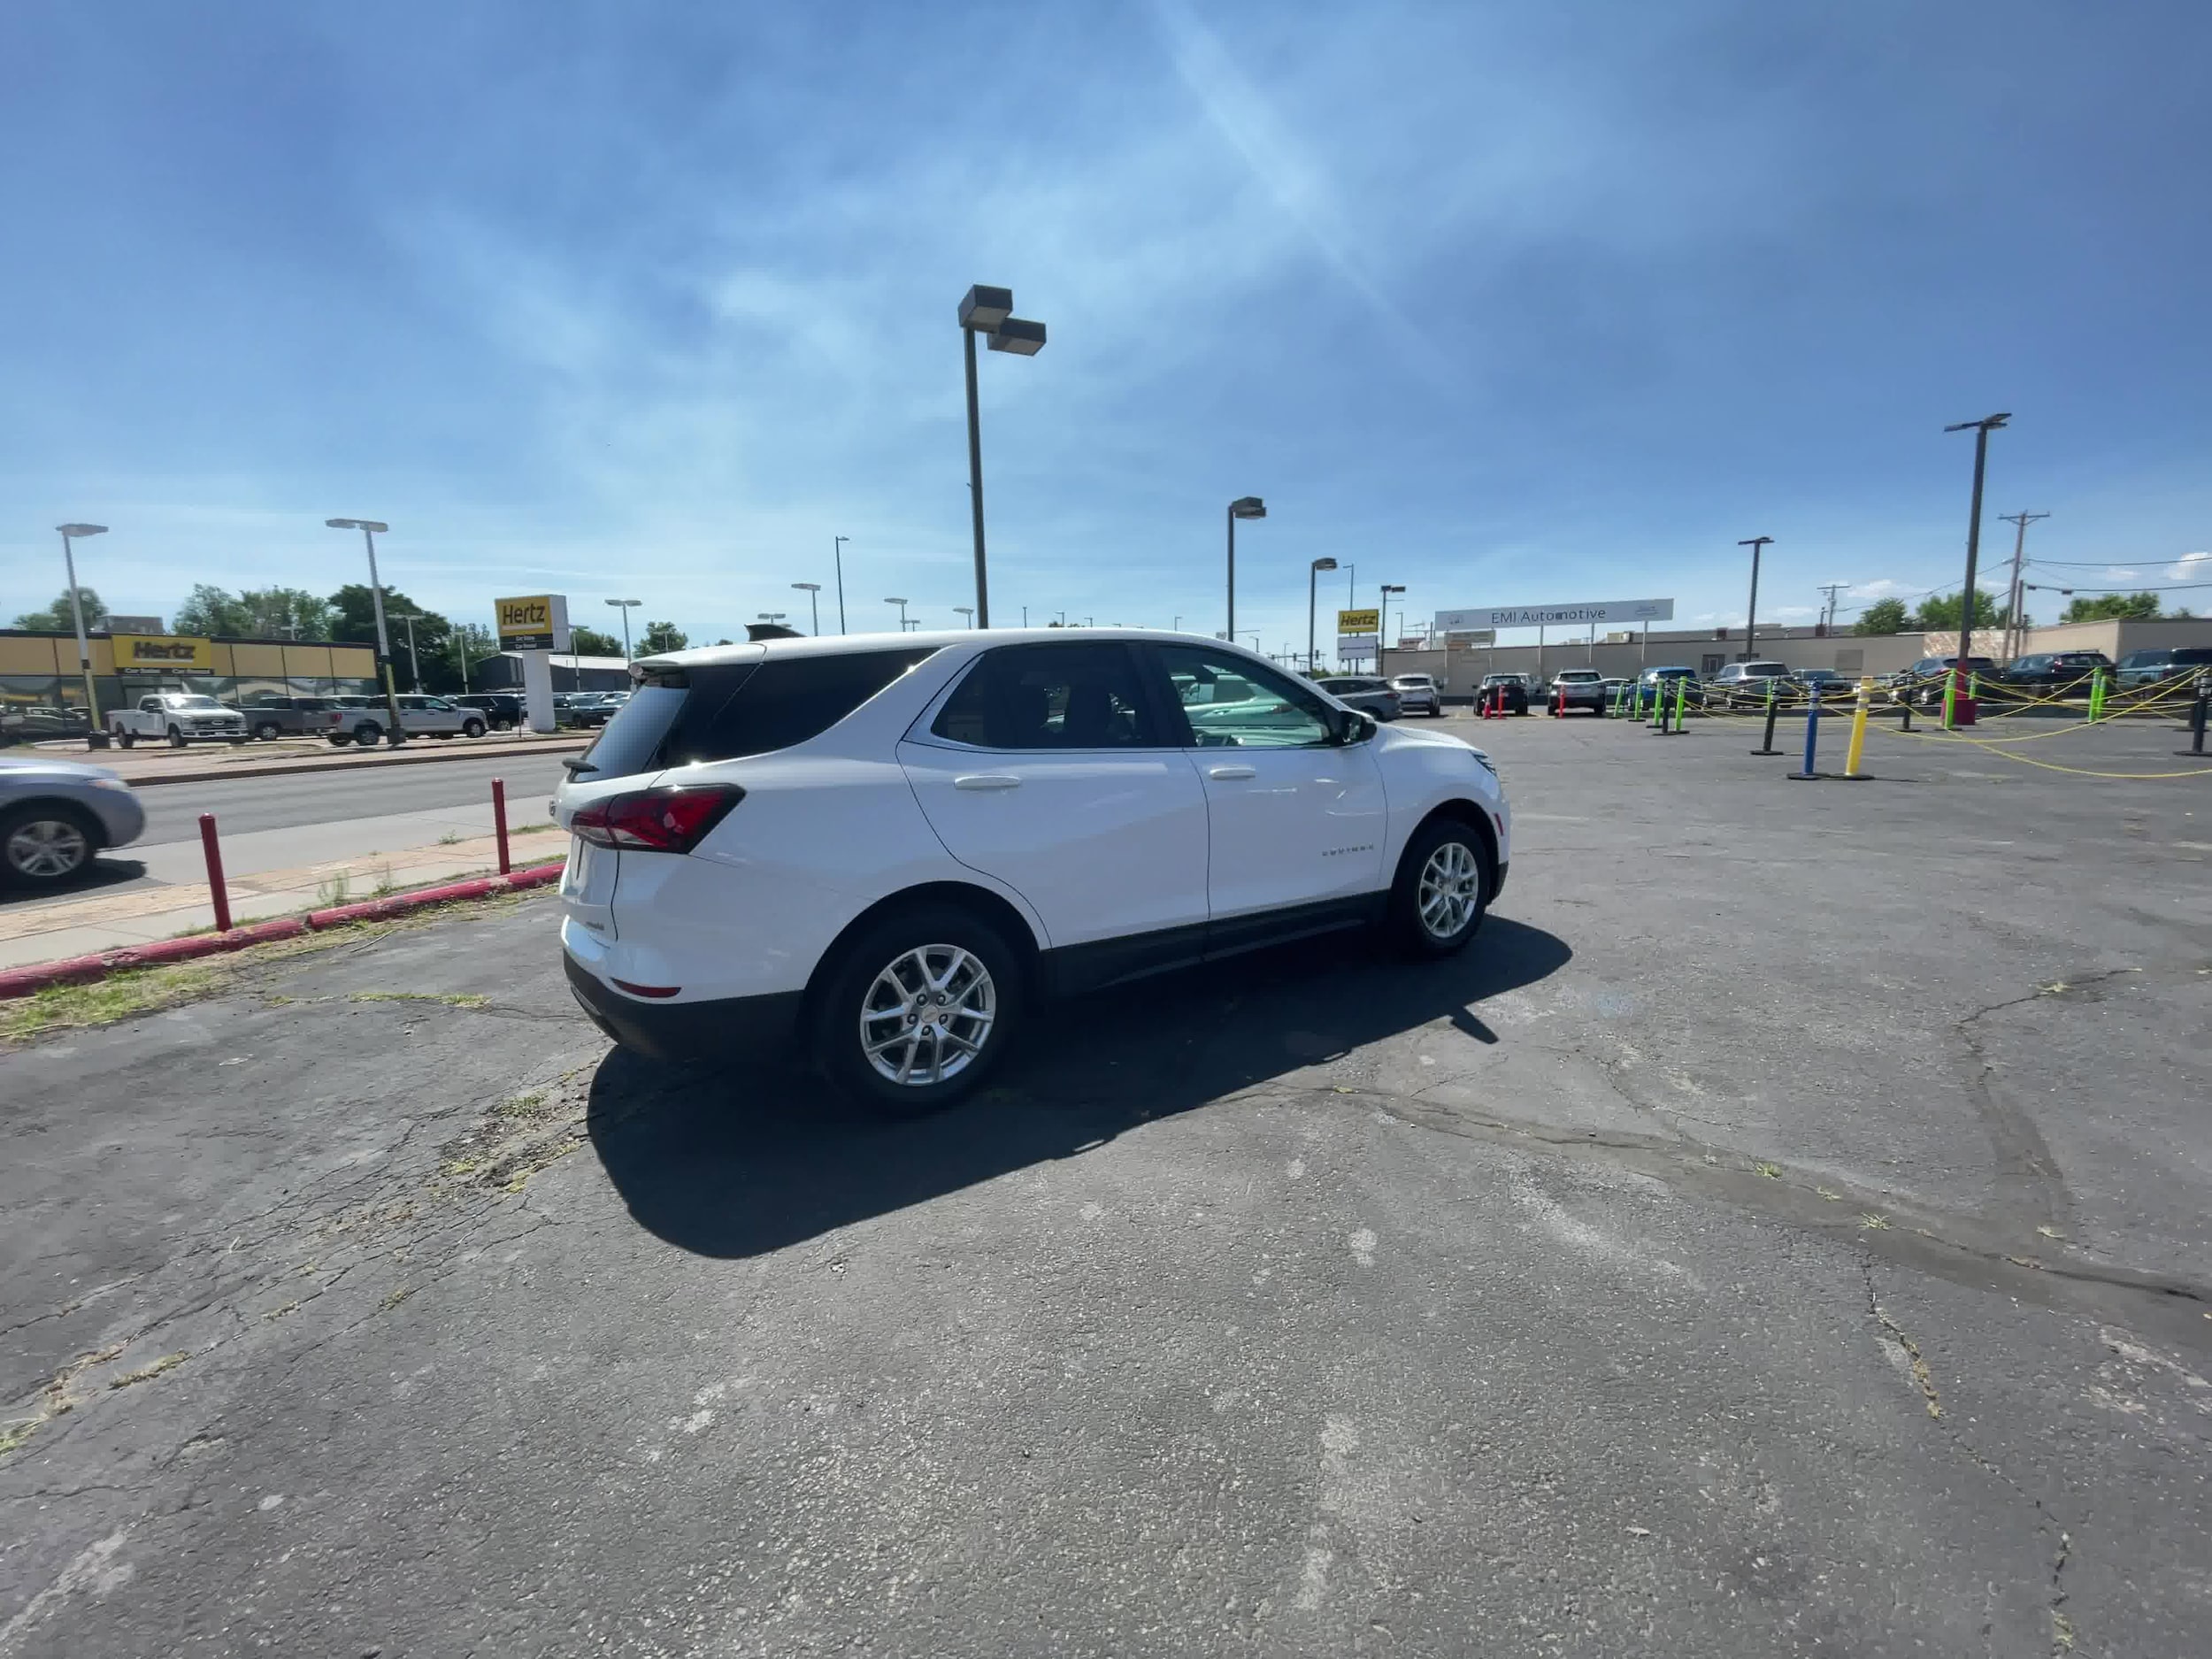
<point x="289" y="821"/>
<point x="1783" y="1232"/>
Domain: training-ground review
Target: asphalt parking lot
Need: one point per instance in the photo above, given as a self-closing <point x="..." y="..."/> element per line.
<point x="1785" y="1231"/>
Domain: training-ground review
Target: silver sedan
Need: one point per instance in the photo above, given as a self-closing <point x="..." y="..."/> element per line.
<point x="56" y="815"/>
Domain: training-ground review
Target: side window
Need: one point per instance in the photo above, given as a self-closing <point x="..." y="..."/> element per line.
<point x="1233" y="702"/>
<point x="1051" y="696"/>
<point x="149" y="705"/>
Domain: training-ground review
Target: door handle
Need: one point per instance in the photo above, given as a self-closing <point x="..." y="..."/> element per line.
<point x="1233" y="771"/>
<point x="987" y="780"/>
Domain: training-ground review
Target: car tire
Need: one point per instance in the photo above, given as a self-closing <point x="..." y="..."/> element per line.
<point x="1442" y="890"/>
<point x="368" y="734"/>
<point x="340" y="740"/>
<point x="45" y="846"/>
<point x="125" y="739"/>
<point x="861" y="991"/>
<point x="268" y="731"/>
<point x="176" y="738"/>
<point x="472" y="728"/>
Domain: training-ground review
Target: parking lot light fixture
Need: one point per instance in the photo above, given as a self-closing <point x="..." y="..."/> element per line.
<point x="370" y="529"/>
<point x="965" y="611"/>
<point x="988" y="311"/>
<point x="1758" y="544"/>
<point x="1382" y="615"/>
<point x="901" y="603"/>
<point x="1313" y="576"/>
<point x="1243" y="507"/>
<point x="626" y="606"/>
<point x="98" y="736"/>
<point x="813" y="591"/>
<point x="1981" y="430"/>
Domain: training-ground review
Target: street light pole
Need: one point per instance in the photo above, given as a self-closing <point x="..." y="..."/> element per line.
<point x="901" y="603"/>
<point x="414" y="663"/>
<point x="1243" y="507"/>
<point x="813" y="591"/>
<point x="368" y="528"/>
<point x="1382" y="615"/>
<point x="1313" y="577"/>
<point x="965" y="611"/>
<point x="626" y="606"/>
<point x="838" y="553"/>
<point x="988" y="311"/>
<point x="96" y="735"/>
<point x="1751" y="612"/>
<point x="1981" y="428"/>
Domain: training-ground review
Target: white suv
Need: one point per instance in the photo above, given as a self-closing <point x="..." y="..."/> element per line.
<point x="893" y="845"/>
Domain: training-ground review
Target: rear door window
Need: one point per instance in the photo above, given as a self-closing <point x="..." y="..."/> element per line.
<point x="1052" y="696"/>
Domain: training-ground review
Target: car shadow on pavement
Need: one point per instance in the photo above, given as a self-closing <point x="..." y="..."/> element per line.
<point x="734" y="1161"/>
<point x="102" y="873"/>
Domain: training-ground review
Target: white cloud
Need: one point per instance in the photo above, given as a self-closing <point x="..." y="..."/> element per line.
<point x="2191" y="567"/>
<point x="1880" y="588"/>
<point x="2113" y="572"/>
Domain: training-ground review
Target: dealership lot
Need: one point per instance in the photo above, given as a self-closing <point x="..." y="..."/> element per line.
<point x="1785" y="1229"/>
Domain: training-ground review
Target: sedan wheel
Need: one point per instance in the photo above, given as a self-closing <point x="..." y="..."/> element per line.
<point x="43" y="851"/>
<point x="928" y="1015"/>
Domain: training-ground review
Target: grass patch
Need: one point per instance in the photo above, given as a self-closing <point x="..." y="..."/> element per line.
<point x="147" y="1373"/>
<point x="451" y="838"/>
<point x="533" y="829"/>
<point x="333" y="892"/>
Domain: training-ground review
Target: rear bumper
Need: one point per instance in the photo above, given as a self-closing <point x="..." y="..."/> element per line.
<point x="686" y="1030"/>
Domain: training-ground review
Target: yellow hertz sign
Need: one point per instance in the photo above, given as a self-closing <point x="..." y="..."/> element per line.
<point x="175" y="652"/>
<point x="534" y="622"/>
<point x="1359" y="622"/>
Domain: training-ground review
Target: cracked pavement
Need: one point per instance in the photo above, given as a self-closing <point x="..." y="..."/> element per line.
<point x="1784" y="1231"/>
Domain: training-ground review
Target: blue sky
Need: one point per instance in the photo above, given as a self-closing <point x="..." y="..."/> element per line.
<point x="1510" y="303"/>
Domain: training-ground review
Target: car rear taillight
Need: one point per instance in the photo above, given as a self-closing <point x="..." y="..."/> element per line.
<point x="672" y="820"/>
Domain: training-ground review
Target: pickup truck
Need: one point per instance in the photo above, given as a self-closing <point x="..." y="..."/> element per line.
<point x="420" y="716"/>
<point x="181" y="717"/>
<point x="269" y="715"/>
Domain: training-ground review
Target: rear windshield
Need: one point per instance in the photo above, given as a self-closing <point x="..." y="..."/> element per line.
<point x="683" y="716"/>
<point x="2192" y="653"/>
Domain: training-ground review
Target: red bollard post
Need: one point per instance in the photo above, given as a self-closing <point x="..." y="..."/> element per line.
<point x="499" y="823"/>
<point x="216" y="889"/>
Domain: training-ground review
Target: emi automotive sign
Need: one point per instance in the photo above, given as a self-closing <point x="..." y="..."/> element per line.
<point x="1555" y="616"/>
<point x="534" y="622"/>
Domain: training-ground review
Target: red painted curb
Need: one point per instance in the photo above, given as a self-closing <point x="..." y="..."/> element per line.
<point x="162" y="953"/>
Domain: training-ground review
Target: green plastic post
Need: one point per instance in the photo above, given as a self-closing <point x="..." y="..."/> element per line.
<point x="2096" y="694"/>
<point x="1974" y="684"/>
<point x="1950" y="700"/>
<point x="1680" y="690"/>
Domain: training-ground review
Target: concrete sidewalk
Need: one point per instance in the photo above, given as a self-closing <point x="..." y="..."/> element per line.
<point x="259" y="887"/>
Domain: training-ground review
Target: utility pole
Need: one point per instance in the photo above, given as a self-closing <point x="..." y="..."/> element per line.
<point x="1828" y="611"/>
<point x="2016" y="636"/>
<point x="1981" y="429"/>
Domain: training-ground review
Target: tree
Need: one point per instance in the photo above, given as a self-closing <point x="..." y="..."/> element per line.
<point x="211" y="610"/>
<point x="287" y="613"/>
<point x="56" y="618"/>
<point x="2106" y="607"/>
<point x="662" y="636"/>
<point x="1940" y="613"/>
<point x="591" y="643"/>
<point x="355" y="622"/>
<point x="1884" y="616"/>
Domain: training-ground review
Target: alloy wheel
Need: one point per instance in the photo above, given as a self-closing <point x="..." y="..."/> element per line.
<point x="927" y="1015"/>
<point x="1451" y="888"/>
<point x="46" y="850"/>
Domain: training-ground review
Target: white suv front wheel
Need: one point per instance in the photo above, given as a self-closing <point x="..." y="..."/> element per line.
<point x="1442" y="890"/>
<point x="919" y="1009"/>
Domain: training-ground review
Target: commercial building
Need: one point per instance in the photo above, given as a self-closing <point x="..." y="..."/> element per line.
<point x="1619" y="655"/>
<point x="41" y="687"/>
<point x="504" y="673"/>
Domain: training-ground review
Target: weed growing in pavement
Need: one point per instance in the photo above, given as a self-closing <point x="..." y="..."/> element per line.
<point x="385" y="885"/>
<point x="451" y="838"/>
<point x="451" y="999"/>
<point x="333" y="892"/>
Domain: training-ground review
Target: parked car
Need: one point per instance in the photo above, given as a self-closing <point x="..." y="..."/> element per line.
<point x="2048" y="673"/>
<point x="1742" y="685"/>
<point x="579" y="709"/>
<point x="56" y="816"/>
<point x="1579" y="688"/>
<point x="502" y="710"/>
<point x="2179" y="664"/>
<point x="179" y="717"/>
<point x="1667" y="681"/>
<point x="420" y="716"/>
<point x="897" y="846"/>
<point x="1511" y="689"/>
<point x="1827" y="681"/>
<point x="1364" y="693"/>
<point x="41" y="722"/>
<point x="1418" y="694"/>
<point x="1922" y="683"/>
<point x="269" y="715"/>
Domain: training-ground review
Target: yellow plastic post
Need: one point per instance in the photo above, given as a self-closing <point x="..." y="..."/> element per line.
<point x="1858" y="729"/>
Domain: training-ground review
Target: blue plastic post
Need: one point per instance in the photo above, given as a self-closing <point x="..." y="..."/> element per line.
<point x="1812" y="736"/>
